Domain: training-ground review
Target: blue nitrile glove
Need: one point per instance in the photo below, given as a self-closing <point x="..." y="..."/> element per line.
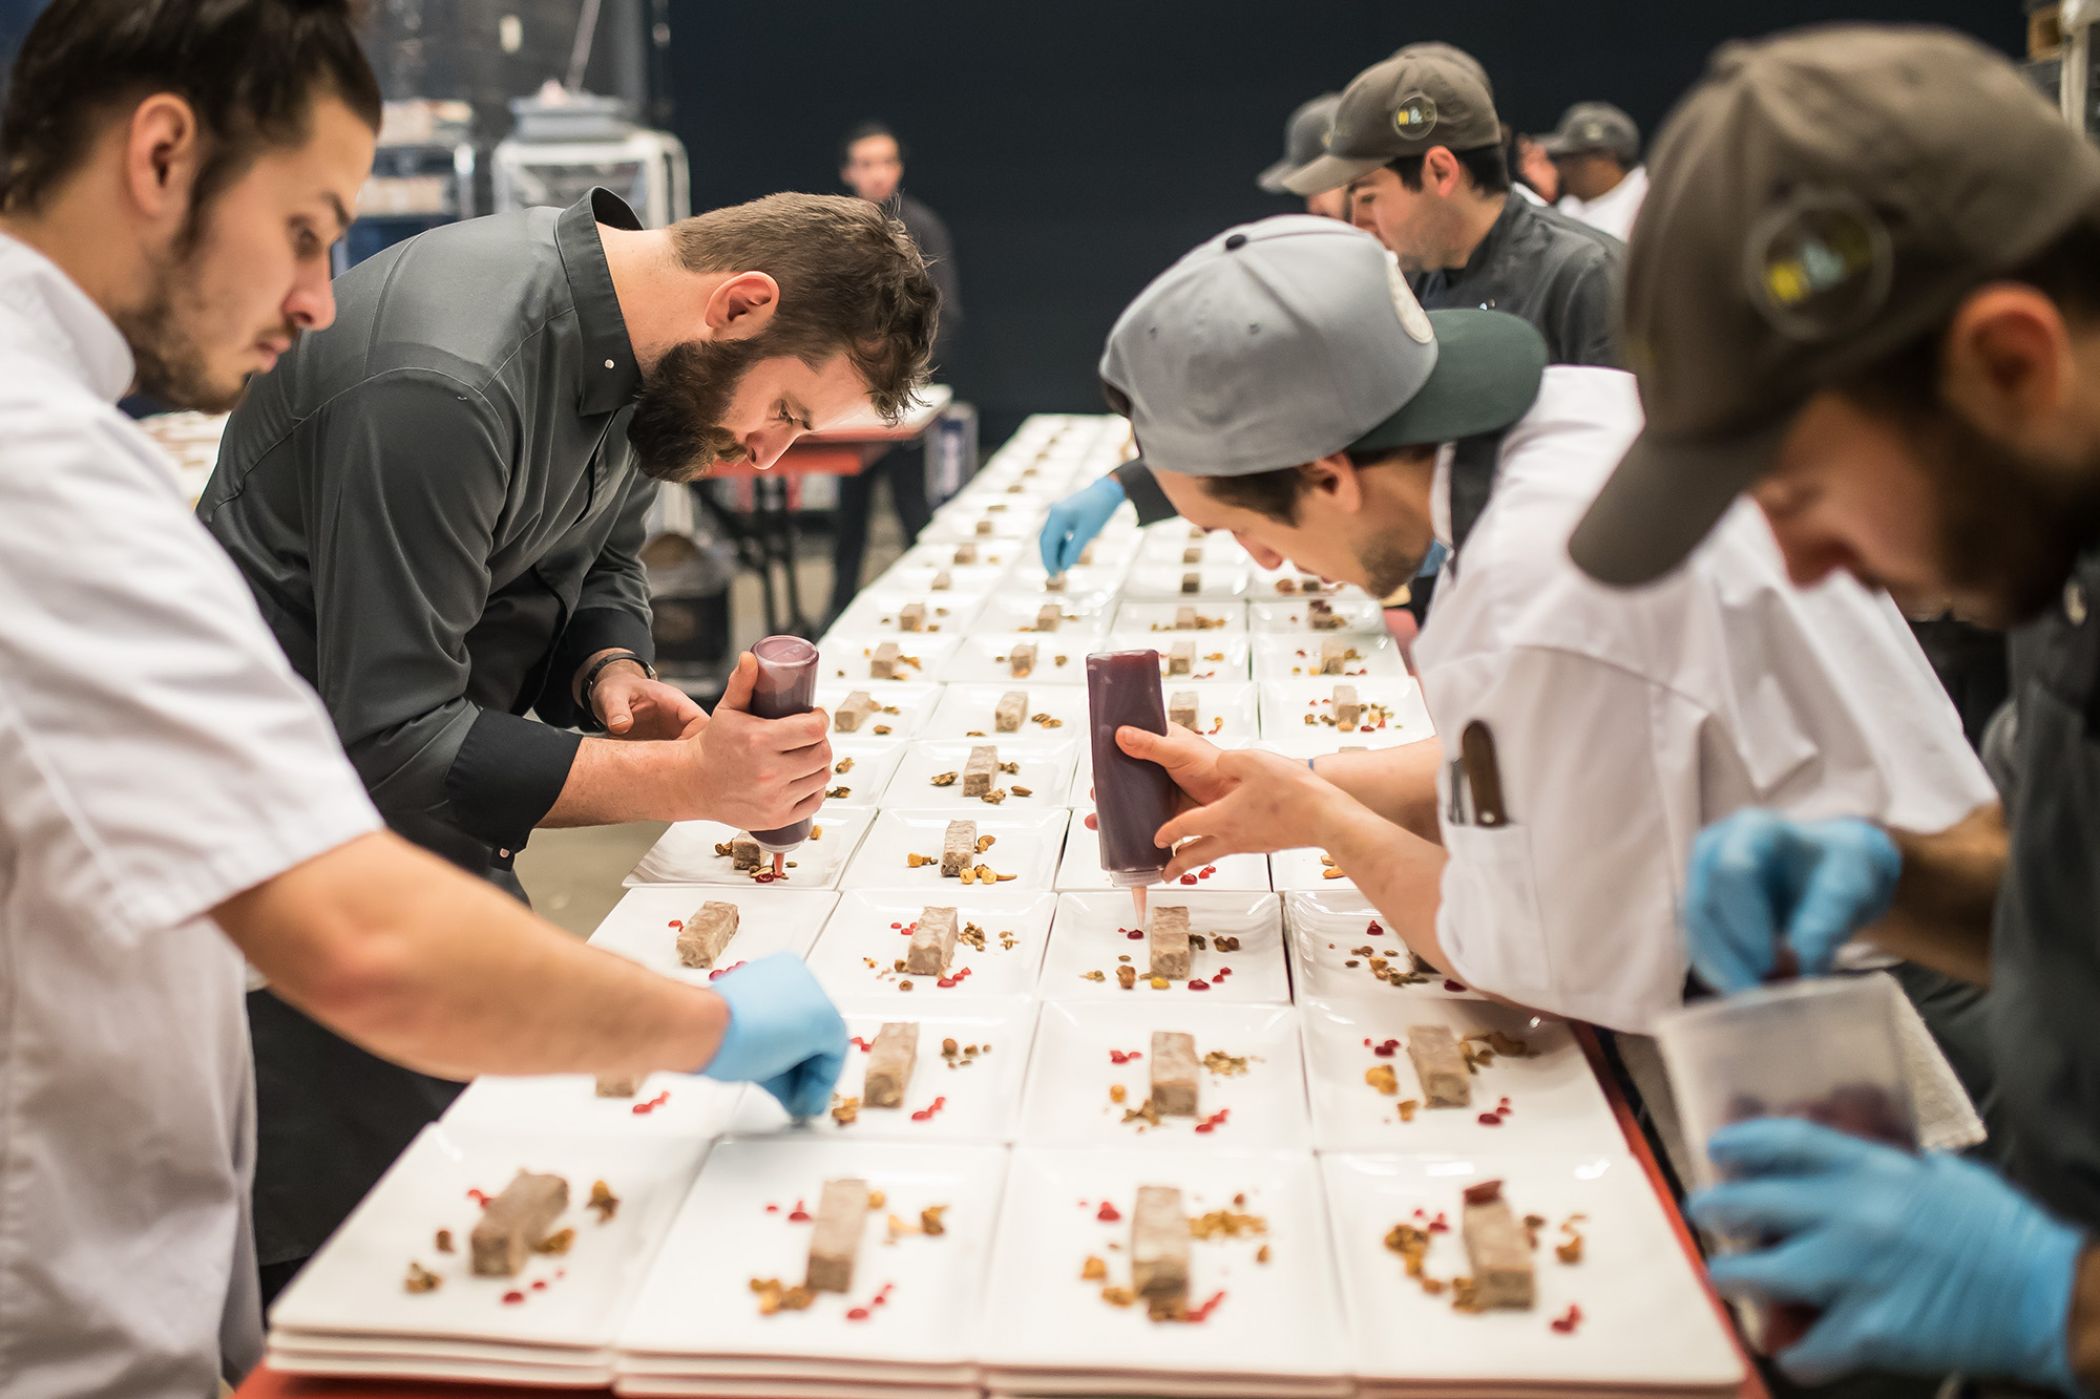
<point x="1760" y="881"/>
<point x="1922" y="1264"/>
<point x="1075" y="520"/>
<point x="784" y="1034"/>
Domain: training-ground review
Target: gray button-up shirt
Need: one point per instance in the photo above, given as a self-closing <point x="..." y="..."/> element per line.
<point x="436" y="505"/>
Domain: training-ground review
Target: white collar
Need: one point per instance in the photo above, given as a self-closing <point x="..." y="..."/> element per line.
<point x="1440" y="495"/>
<point x="44" y="313"/>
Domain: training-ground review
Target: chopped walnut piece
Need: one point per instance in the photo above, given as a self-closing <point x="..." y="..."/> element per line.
<point x="556" y="1244"/>
<point x="1117" y="1093"/>
<point x="776" y="1296"/>
<point x="444" y="1241"/>
<point x="915" y="861"/>
<point x="1381" y="1077"/>
<point x="1227" y="1224"/>
<point x="1225" y="1065"/>
<point x="945" y="779"/>
<point x="603" y="1201"/>
<point x="843" y="766"/>
<point x="1408" y="1108"/>
<point x="1261" y="1255"/>
<point x="844" y="1110"/>
<point x="930" y="1221"/>
<point x="837" y="794"/>
<point x="1126" y="977"/>
<point x="1118" y="1296"/>
<point x="1093" y="1270"/>
<point x="420" y="1279"/>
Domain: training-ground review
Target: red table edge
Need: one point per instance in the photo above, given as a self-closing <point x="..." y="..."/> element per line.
<point x="1637" y="1146"/>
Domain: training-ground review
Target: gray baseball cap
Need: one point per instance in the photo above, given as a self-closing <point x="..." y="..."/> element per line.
<point x="1593" y="126"/>
<point x="1280" y="342"/>
<point x="1437" y="48"/>
<point x="1304" y="140"/>
<point x="1419" y="98"/>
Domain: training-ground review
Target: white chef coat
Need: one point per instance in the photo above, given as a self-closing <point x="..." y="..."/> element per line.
<point x="1614" y="210"/>
<point x="157" y="756"/>
<point x="1625" y="721"/>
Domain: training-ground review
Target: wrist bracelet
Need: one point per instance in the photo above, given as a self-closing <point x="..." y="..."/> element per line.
<point x="590" y="677"/>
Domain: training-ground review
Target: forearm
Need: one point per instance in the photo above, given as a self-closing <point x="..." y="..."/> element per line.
<point x="420" y="964"/>
<point x="2085" y="1321"/>
<point x="1399" y="872"/>
<point x="1398" y="784"/>
<point x="611" y="781"/>
<point x="1946" y="895"/>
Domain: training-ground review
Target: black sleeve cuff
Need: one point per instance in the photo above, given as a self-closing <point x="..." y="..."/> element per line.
<point x="507" y="777"/>
<point x="589" y="632"/>
<point x="1144" y="492"/>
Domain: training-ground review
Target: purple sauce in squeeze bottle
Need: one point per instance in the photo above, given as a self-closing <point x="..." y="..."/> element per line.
<point x="1133" y="798"/>
<point x="786" y="686"/>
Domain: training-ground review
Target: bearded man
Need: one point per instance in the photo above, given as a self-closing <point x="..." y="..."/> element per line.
<point x="439" y="505"/>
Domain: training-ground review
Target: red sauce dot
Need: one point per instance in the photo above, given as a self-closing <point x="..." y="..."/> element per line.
<point x="1199" y="984"/>
<point x="1108" y="1213"/>
<point x="1488" y="1119"/>
<point x="676" y="923"/>
<point x="642" y="1109"/>
<point x="1134" y="934"/>
<point x="540" y="1286"/>
<point x="1454" y="986"/>
<point x="1209" y="870"/>
<point x="1374" y="930"/>
<point x="798" y="1215"/>
<point x="772" y="1209"/>
<point x="895" y="926"/>
<point x="512" y="1299"/>
<point x="479" y="1197"/>
<point x="946" y="983"/>
<point x="1204" y="1127"/>
<point x="1093" y="822"/>
<point x="1188" y="879"/>
<point x="857" y="1314"/>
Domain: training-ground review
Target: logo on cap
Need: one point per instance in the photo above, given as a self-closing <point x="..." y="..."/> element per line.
<point x="1415" y="117"/>
<point x="1413" y="319"/>
<point x="1819" y="264"/>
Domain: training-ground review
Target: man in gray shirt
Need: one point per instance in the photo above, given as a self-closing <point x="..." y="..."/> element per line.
<point x="438" y="504"/>
<point x="1418" y="145"/>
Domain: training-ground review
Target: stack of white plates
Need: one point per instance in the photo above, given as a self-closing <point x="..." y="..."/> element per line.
<point x="908" y="1326"/>
<point x="1271" y="1325"/>
<point x="351" y="1313"/>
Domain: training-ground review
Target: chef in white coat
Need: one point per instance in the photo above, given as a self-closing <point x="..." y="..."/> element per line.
<point x="171" y="797"/>
<point x="1288" y="389"/>
<point x="1596" y="151"/>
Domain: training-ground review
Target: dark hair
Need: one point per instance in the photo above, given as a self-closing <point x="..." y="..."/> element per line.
<point x="250" y="70"/>
<point x="1486" y="166"/>
<point x="1275" y="494"/>
<point x="1906" y="381"/>
<point x="851" y="280"/>
<point x="861" y="133"/>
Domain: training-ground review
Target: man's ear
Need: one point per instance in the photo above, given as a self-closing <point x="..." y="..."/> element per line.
<point x="1335" y="483"/>
<point x="1440" y="169"/>
<point x="741" y="305"/>
<point x="162" y="152"/>
<point x="2007" y="362"/>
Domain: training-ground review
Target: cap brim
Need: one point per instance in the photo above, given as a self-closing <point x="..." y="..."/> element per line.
<point x="1488" y="369"/>
<point x="1270" y="181"/>
<point x="1326" y="173"/>
<point x="1555" y="146"/>
<point x="1662" y="500"/>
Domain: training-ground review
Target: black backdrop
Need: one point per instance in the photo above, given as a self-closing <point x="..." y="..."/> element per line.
<point x="1077" y="147"/>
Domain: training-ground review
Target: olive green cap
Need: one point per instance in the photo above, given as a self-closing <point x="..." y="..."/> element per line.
<point x="1421" y="97"/>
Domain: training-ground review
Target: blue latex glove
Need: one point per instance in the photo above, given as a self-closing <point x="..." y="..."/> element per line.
<point x="784" y="1034"/>
<point x="1760" y="881"/>
<point x="1924" y="1264"/>
<point x="1075" y="520"/>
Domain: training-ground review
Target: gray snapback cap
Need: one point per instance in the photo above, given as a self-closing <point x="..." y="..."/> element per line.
<point x="1304" y="141"/>
<point x="1594" y="126"/>
<point x="1419" y="98"/>
<point x="1280" y="342"/>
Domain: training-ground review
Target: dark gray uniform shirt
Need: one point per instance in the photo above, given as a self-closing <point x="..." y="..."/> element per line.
<point x="436" y="505"/>
<point x="1537" y="264"/>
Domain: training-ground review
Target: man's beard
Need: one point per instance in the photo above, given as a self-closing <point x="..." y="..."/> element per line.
<point x="677" y="431"/>
<point x="171" y="364"/>
<point x="1388" y="565"/>
<point x="2010" y="527"/>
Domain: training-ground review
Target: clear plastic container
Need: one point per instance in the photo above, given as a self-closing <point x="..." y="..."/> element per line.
<point x="786" y="686"/>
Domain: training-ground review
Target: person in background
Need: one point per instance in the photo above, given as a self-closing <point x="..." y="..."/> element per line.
<point x="1887" y="334"/>
<point x="1597" y="152"/>
<point x="1417" y="144"/>
<point x="1532" y="167"/>
<point x="871" y="164"/>
<point x="1304" y="140"/>
<point x="439" y="505"/>
<point x="174" y="175"/>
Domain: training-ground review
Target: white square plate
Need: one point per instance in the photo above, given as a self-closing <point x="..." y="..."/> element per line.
<point x="1169" y="543"/>
<point x="353" y="1286"/>
<point x="1082" y="870"/>
<point x="966" y="711"/>
<point x="1014" y="610"/>
<point x="913" y="702"/>
<point x="1298" y="658"/>
<point x="1396" y="714"/>
<point x="1556" y="1103"/>
<point x="877" y="610"/>
<point x="1104" y="575"/>
<point x="1266" y="579"/>
<point x="1045" y="773"/>
<point x="1094" y="930"/>
<point x="1293" y="616"/>
<point x="1647" y="1320"/>
<point x="991" y="553"/>
<point x="686" y="854"/>
<point x="1279" y="1318"/>
<point x="1069" y="1101"/>
<point x="1027" y="848"/>
<point x="736" y="1226"/>
<point x="847" y="656"/>
<point x="350" y="1363"/>
<point x="1158" y="619"/>
<point x="869" y="763"/>
<point x="644" y="925"/>
<point x="1216" y="582"/>
<point x="861" y="932"/>
<point x="984" y="660"/>
<point x="971" y="584"/>
<point x="977" y="1100"/>
<point x="1220" y="656"/>
<point x="671" y="1105"/>
<point x="1329" y="928"/>
<point x="961" y="526"/>
<point x="1302" y="868"/>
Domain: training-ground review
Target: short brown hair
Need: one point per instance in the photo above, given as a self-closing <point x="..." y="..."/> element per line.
<point x="851" y="280"/>
<point x="1276" y="494"/>
<point x="250" y="70"/>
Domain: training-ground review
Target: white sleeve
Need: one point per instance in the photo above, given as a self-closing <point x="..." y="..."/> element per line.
<point x="1571" y="908"/>
<point x="157" y="753"/>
